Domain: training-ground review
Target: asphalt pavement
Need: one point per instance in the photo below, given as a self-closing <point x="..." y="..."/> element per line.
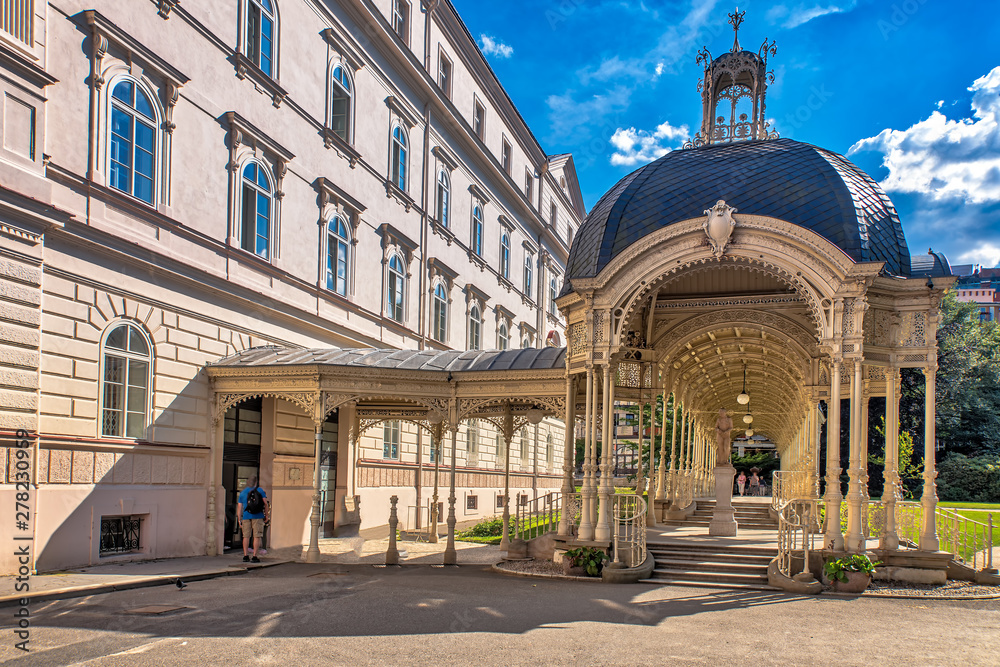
<point x="338" y="614"/>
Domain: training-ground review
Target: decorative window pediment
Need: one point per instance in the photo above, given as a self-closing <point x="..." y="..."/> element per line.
<point x="446" y="158"/>
<point x="393" y="239"/>
<point x="479" y="193"/>
<point x="344" y="48"/>
<point x="402" y="111"/>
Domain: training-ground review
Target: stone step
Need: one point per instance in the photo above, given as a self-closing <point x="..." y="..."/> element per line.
<point x="703" y="566"/>
<point x="711" y="557"/>
<point x="750" y="525"/>
<point x="672" y="575"/>
<point x="711" y="585"/>
<point x="718" y="550"/>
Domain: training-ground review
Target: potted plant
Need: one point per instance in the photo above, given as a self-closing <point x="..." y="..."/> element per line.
<point x="584" y="561"/>
<point x="851" y="573"/>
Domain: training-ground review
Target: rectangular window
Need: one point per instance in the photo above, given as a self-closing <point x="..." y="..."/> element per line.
<point x="529" y="261"/>
<point x="120" y="535"/>
<point x="500" y="501"/>
<point x="472" y="502"/>
<point x="553" y="215"/>
<point x="390" y="440"/>
<point x="444" y="74"/>
<point x="401" y="20"/>
<point x="479" y="119"/>
<point x="17" y="20"/>
<point x="505" y="156"/>
<point x="529" y="182"/>
<point x="125" y="386"/>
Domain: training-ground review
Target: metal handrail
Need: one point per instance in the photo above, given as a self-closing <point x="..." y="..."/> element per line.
<point x="538" y="516"/>
<point x="629" y="518"/>
<point x="798" y="525"/>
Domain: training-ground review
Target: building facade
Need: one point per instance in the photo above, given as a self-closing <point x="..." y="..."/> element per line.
<point x="180" y="183"/>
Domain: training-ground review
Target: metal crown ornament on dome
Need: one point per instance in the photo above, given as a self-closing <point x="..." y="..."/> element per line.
<point x="733" y="93"/>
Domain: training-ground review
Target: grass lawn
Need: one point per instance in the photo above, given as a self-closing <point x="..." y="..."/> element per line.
<point x="978" y="512"/>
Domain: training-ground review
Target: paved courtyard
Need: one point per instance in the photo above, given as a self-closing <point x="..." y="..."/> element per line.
<point x="339" y="614"/>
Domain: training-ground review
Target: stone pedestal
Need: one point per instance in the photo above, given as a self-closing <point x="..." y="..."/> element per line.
<point x="724" y="518"/>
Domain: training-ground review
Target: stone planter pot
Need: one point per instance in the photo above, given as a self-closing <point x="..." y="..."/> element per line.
<point x="857" y="582"/>
<point x="573" y="570"/>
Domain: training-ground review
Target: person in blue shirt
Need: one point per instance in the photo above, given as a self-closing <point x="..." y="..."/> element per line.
<point x="251" y="521"/>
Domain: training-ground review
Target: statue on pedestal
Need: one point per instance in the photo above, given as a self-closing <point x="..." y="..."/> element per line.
<point x="723" y="438"/>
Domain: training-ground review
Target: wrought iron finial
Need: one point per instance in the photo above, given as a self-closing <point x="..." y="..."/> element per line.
<point x="736" y="20"/>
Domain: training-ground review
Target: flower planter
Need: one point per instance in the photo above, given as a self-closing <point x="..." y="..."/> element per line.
<point x="857" y="582"/>
<point x="573" y="570"/>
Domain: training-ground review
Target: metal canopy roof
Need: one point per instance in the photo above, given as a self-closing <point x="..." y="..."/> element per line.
<point x="453" y="361"/>
<point x="789" y="180"/>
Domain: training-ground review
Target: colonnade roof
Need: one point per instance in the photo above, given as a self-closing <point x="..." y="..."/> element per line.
<point x="449" y="361"/>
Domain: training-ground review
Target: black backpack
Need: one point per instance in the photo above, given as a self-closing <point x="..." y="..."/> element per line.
<point x="255" y="501"/>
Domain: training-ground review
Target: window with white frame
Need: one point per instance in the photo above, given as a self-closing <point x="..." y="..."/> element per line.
<point x="444" y="74"/>
<point x="524" y="444"/>
<point x="479" y="119"/>
<point x="505" y="156"/>
<point x="342" y="104"/>
<point x="401" y="19"/>
<point x="529" y="262"/>
<point x="125" y="383"/>
<point x="337" y="258"/>
<point x="17" y="19"/>
<point x="133" y="139"/>
<point x="503" y="337"/>
<point x="505" y="255"/>
<point x="475" y="327"/>
<point x="395" y="288"/>
<point x="526" y="340"/>
<point x="477" y="229"/>
<point x="553" y="294"/>
<point x="553" y="214"/>
<point x="443" y="197"/>
<point x="256" y="209"/>
<point x="529" y="182"/>
<point x="260" y="43"/>
<point x="390" y="439"/>
<point x="397" y="156"/>
<point x="472" y="437"/>
<point x="440" y="315"/>
<point x="549" y="450"/>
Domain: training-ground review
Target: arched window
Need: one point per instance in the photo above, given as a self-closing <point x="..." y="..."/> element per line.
<point x="440" y="313"/>
<point x="503" y="337"/>
<point x="477" y="230"/>
<point x="132" y="145"/>
<point x="443" y="197"/>
<point x="475" y="327"/>
<point x="395" y="283"/>
<point x="337" y="244"/>
<point x="261" y="35"/>
<point x="553" y="293"/>
<point x="125" y="382"/>
<point x="529" y="261"/>
<point x="525" y="341"/>
<point x="505" y="255"/>
<point x="472" y="445"/>
<point x="342" y="104"/>
<point x="398" y="156"/>
<point x="256" y="210"/>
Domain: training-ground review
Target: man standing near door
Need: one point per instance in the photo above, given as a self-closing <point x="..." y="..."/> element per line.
<point x="251" y="512"/>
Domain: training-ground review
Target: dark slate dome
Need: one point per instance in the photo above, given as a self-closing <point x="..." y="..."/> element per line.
<point x="796" y="182"/>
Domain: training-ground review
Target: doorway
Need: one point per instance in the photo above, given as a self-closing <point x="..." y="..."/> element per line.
<point x="240" y="461"/>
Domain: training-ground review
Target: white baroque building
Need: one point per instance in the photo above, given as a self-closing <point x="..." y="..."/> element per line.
<point x="180" y="182"/>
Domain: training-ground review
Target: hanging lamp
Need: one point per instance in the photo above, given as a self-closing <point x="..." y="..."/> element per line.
<point x="748" y="417"/>
<point x="749" y="432"/>
<point x="744" y="397"/>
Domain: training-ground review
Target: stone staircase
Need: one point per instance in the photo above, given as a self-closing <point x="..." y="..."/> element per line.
<point x="749" y="516"/>
<point x="710" y="566"/>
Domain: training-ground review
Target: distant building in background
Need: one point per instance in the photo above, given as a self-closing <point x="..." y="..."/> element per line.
<point x="981" y="287"/>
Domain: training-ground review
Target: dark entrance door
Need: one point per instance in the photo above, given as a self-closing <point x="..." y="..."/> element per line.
<point x="240" y="460"/>
<point x="328" y="476"/>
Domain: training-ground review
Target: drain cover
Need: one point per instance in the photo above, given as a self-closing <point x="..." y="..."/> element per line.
<point x="156" y="609"/>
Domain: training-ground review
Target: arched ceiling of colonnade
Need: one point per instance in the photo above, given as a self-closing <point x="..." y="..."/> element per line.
<point x="710" y="321"/>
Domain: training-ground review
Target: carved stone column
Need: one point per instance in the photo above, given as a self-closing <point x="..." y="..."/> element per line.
<point x="661" y="473"/>
<point x="436" y="449"/>
<point x="508" y="436"/>
<point x="890" y="473"/>
<point x="928" y="531"/>
<point x="586" y="532"/>
<point x="673" y="454"/>
<point x="834" y="539"/>
<point x="312" y="553"/>
<point x="450" y="555"/>
<point x="855" y="538"/>
<point x="211" y="539"/>
<point x="602" y="532"/>
<point x="569" y="451"/>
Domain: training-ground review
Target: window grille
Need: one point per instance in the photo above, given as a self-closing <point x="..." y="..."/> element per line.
<point x="120" y="534"/>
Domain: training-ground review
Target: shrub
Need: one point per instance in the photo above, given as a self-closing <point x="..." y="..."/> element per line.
<point x="492" y="527"/>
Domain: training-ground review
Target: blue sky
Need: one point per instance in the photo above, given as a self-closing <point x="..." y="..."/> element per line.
<point x="909" y="89"/>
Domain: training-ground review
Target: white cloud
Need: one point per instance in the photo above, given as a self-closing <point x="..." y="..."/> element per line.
<point x="803" y="12"/>
<point x="658" y="72"/>
<point x="494" y="47"/>
<point x="633" y="146"/>
<point x="986" y="254"/>
<point x="947" y="159"/>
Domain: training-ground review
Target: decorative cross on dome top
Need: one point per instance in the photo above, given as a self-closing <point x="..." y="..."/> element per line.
<point x="736" y="20"/>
